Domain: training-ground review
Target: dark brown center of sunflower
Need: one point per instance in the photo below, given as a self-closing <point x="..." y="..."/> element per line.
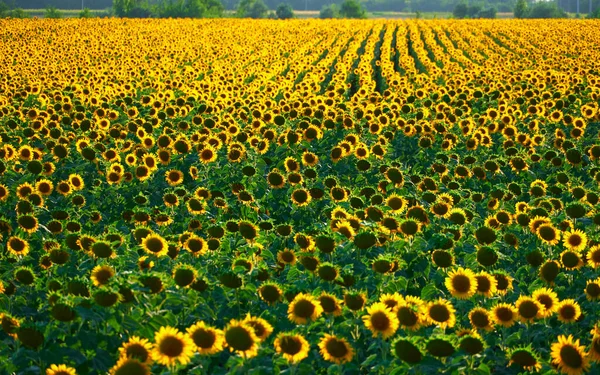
<point x="596" y="256"/>
<point x="259" y="329"/>
<point x="137" y="351"/>
<point x="545" y="300"/>
<point x="290" y="345"/>
<point x="336" y="348"/>
<point x="328" y="304"/>
<point x="103" y="275"/>
<point x="300" y="196"/>
<point x="304" y="308"/>
<point x="483" y="284"/>
<point x="528" y="309"/>
<point x="439" y="313"/>
<point x="461" y="283"/>
<point x="287" y="256"/>
<point x="571" y="357"/>
<point x="171" y="346"/>
<point x="131" y="367"/>
<point x="480" y="319"/>
<point x="407" y="316"/>
<point x="239" y="338"/>
<point x="155" y="245"/>
<point x="593" y="290"/>
<point x="17" y="245"/>
<point x="504" y="314"/>
<point x="547" y="233"/>
<point x="567" y="312"/>
<point x="575" y="240"/>
<point x="270" y="293"/>
<point x="380" y="321"/>
<point x="523" y="358"/>
<point x="203" y="338"/>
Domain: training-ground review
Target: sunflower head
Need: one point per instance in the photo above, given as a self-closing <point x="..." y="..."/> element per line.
<point x="336" y="350"/>
<point x="294" y="348"/>
<point x="172" y="346"/>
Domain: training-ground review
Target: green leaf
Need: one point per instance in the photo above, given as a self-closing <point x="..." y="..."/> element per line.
<point x="429" y="292"/>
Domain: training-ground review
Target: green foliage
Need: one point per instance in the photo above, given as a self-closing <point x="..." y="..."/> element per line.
<point x="521" y="9"/>
<point x="85" y="13"/>
<point x="546" y="10"/>
<point x="594" y="14"/>
<point x="188" y="8"/>
<point x="4" y="9"/>
<point x="329" y="11"/>
<point x="460" y="10"/>
<point x="352" y="9"/>
<point x="284" y="11"/>
<point x="52" y="12"/>
<point x="252" y="9"/>
<point x="19" y="13"/>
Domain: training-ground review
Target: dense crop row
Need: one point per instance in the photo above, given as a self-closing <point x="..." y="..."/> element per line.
<point x="222" y="196"/>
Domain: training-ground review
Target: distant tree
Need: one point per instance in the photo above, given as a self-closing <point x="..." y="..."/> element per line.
<point x="473" y="11"/>
<point x="284" y="11"/>
<point x="488" y="13"/>
<point x="328" y="11"/>
<point x="252" y="9"/>
<point x="460" y="10"/>
<point x="4" y="9"/>
<point x="85" y="13"/>
<point x="19" y="13"/>
<point x="352" y="9"/>
<point x="521" y="9"/>
<point x="52" y="12"/>
<point x="546" y="10"/>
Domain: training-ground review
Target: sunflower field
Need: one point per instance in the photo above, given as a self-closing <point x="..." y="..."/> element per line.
<point x="302" y="197"/>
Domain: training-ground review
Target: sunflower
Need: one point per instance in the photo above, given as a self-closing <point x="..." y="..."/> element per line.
<point x="208" y="340"/>
<point x="504" y="314"/>
<point x="129" y="366"/>
<point x="380" y="320"/>
<point x="261" y="327"/>
<point x="44" y="187"/>
<point x="396" y="203"/>
<point x="569" y="356"/>
<point x="301" y="197"/>
<point x="293" y="347"/>
<point x="174" y="177"/>
<point x="330" y="304"/>
<point x="548" y="299"/>
<point x="461" y="283"/>
<point x="548" y="234"/>
<point x="101" y="274"/>
<point x="60" y="370"/>
<point x="286" y="256"/>
<point x="240" y="337"/>
<point x="593" y="256"/>
<point x="156" y="245"/>
<point x="17" y="246"/>
<point x="594" y="353"/>
<point x="208" y="154"/>
<point x="592" y="289"/>
<point x="271" y="293"/>
<point x="480" y="318"/>
<point x="410" y="313"/>
<point x="336" y="350"/>
<point x="575" y="240"/>
<point x="528" y="309"/>
<point x="568" y="311"/>
<point x="138" y="348"/>
<point x="172" y="346"/>
<point x="486" y="284"/>
<point x="76" y="181"/>
<point x="3" y="193"/>
<point x="392" y="301"/>
<point x="441" y="313"/>
<point x="275" y="179"/>
<point x="526" y="358"/>
<point x="195" y="245"/>
<point x="304" y="307"/>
